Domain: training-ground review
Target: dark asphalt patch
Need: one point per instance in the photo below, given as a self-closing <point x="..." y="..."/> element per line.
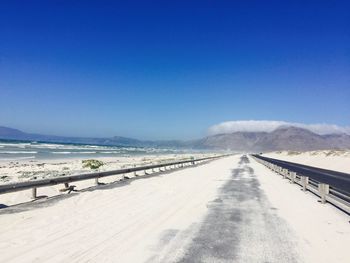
<point x="241" y="226"/>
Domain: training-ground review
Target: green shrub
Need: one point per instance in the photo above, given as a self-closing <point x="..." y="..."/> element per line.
<point x="92" y="164"/>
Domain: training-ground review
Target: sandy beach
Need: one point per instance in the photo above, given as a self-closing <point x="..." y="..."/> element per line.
<point x="25" y="170"/>
<point x="232" y="209"/>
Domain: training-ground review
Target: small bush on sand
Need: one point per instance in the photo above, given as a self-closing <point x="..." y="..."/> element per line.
<point x="92" y="164"/>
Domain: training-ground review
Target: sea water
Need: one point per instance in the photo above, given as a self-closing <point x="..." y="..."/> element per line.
<point x="19" y="150"/>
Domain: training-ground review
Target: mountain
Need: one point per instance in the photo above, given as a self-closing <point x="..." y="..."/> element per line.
<point x="283" y="138"/>
<point x="14" y="134"/>
<point x="6" y="132"/>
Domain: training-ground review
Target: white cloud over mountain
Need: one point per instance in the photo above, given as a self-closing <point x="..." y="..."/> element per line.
<point x="268" y="126"/>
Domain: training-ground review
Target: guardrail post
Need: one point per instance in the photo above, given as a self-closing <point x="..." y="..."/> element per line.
<point x="67" y="180"/>
<point x="34" y="193"/>
<point x="280" y="170"/>
<point x="293" y="176"/>
<point x="135" y="171"/>
<point x="323" y="190"/>
<point x="284" y="173"/>
<point x="304" y="182"/>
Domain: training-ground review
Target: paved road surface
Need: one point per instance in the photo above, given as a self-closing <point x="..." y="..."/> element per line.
<point x="338" y="180"/>
<point x="241" y="225"/>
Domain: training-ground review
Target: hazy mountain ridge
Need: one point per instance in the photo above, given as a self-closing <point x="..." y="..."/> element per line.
<point x="15" y="134"/>
<point x="283" y="138"/>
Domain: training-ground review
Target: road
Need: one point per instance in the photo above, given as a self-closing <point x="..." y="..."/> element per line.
<point x="241" y="225"/>
<point x="229" y="210"/>
<point x="338" y="180"/>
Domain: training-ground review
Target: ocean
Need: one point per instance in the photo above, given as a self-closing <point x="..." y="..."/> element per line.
<point x="20" y="150"/>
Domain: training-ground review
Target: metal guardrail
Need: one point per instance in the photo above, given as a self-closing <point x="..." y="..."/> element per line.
<point x="15" y="187"/>
<point x="325" y="191"/>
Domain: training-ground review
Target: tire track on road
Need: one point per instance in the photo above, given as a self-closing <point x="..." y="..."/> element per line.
<point x="241" y="225"/>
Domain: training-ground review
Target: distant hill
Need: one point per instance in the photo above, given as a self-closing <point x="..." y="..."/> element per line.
<point x="13" y="134"/>
<point x="9" y="133"/>
<point x="283" y="138"/>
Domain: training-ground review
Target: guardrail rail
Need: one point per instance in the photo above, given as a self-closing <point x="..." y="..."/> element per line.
<point x="66" y="180"/>
<point x="331" y="186"/>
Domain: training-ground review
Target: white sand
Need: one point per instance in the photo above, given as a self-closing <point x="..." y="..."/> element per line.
<point x="327" y="159"/>
<point x="323" y="230"/>
<point x="131" y="223"/>
<point x="25" y="170"/>
<point x="117" y="225"/>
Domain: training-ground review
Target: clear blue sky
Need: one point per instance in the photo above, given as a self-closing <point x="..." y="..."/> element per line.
<point x="171" y="69"/>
